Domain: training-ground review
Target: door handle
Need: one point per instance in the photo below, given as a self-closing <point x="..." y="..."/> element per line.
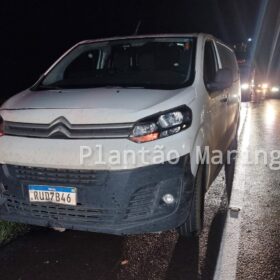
<point x="224" y="99"/>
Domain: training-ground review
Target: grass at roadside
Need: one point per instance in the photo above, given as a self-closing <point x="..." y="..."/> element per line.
<point x="9" y="231"/>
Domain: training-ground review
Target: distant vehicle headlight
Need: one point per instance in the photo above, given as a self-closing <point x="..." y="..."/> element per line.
<point x="275" y="89"/>
<point x="245" y="86"/>
<point x="161" y="125"/>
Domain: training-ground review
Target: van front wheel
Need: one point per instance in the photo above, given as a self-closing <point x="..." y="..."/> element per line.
<point x="194" y="223"/>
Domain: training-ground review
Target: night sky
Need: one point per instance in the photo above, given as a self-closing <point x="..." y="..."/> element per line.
<point x="35" y="33"/>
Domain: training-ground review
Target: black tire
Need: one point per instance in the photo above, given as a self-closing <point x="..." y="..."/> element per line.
<point x="233" y="148"/>
<point x="194" y="223"/>
<point x="230" y="166"/>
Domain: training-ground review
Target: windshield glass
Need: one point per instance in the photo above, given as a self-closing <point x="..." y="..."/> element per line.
<point x="150" y="63"/>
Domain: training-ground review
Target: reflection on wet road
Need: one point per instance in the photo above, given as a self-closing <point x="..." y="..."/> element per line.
<point x="259" y="248"/>
<point x="46" y="254"/>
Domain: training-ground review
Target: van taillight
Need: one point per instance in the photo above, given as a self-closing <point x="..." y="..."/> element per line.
<point x="1" y="126"/>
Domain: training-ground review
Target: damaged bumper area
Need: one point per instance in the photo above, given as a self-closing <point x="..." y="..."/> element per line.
<point x="116" y="202"/>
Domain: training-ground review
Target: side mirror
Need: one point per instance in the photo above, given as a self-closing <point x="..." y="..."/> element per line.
<point x="223" y="80"/>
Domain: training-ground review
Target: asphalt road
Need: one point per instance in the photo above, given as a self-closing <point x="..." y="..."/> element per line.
<point x="253" y="252"/>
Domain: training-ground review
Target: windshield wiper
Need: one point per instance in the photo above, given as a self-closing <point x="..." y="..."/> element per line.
<point x="42" y="87"/>
<point x="123" y="86"/>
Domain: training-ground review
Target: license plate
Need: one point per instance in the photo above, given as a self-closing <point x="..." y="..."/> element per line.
<point x="60" y="195"/>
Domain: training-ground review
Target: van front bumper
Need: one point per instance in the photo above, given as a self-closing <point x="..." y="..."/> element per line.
<point x="116" y="202"/>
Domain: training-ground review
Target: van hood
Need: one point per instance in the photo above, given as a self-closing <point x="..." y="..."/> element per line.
<point x="110" y="104"/>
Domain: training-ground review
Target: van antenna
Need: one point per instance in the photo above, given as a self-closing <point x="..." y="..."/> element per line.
<point x="137" y="27"/>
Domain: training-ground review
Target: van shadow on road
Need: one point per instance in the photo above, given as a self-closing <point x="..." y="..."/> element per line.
<point x="189" y="263"/>
<point x="197" y="258"/>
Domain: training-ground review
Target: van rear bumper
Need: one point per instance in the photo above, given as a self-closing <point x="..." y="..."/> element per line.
<point x="115" y="202"/>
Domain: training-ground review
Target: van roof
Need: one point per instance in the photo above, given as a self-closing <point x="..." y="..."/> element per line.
<point x="147" y="36"/>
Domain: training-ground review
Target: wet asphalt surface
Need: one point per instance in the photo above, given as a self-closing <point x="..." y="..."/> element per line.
<point x="46" y="254"/>
<point x="259" y="249"/>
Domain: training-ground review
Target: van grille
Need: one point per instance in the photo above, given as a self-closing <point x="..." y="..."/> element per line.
<point x="62" y="129"/>
<point x="59" y="176"/>
<point x="47" y="211"/>
<point x="140" y="207"/>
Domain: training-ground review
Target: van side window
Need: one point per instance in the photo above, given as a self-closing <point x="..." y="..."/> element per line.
<point x="228" y="59"/>
<point x="210" y="63"/>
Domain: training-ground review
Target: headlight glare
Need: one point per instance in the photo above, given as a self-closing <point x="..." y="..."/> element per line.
<point x="275" y="89"/>
<point x="245" y="86"/>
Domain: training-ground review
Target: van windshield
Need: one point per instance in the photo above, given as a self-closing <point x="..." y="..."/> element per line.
<point x="158" y="63"/>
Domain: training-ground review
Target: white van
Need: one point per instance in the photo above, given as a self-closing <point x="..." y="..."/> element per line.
<point x="107" y="140"/>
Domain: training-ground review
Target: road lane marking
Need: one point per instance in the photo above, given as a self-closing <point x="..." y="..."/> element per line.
<point x="243" y="116"/>
<point x="228" y="254"/>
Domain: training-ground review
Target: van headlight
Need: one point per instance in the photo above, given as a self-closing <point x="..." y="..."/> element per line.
<point x="171" y="119"/>
<point x="161" y="125"/>
<point x="1" y="126"/>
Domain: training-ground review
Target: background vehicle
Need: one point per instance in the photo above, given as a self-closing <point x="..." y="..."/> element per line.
<point x="247" y="70"/>
<point x="274" y="91"/>
<point x="247" y="77"/>
<point x="179" y="92"/>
